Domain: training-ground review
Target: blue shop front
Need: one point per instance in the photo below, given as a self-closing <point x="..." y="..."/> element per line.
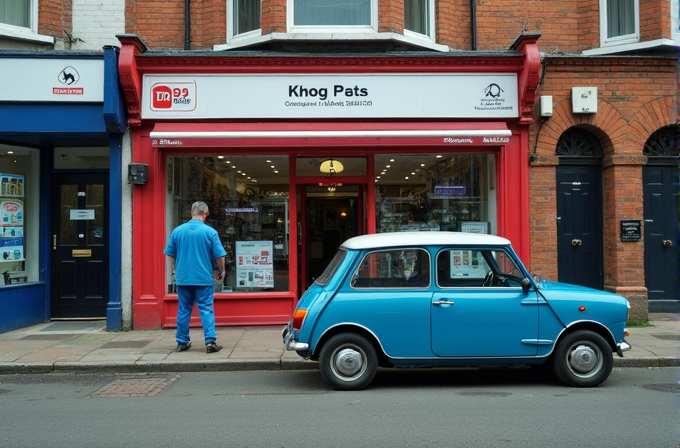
<point x="61" y="126"/>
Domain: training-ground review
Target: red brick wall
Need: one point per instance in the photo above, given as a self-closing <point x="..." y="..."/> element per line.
<point x="568" y="25"/>
<point x="273" y="16"/>
<point x="55" y="16"/>
<point x="391" y="16"/>
<point x="636" y="97"/>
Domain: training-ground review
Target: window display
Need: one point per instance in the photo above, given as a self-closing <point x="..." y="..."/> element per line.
<point x="432" y="192"/>
<point x="18" y="226"/>
<point x="248" y="201"/>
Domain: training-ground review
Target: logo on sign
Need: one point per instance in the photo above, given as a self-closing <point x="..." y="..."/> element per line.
<point x="68" y="77"/>
<point x="179" y="96"/>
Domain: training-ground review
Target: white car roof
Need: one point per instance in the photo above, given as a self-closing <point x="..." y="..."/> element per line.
<point x="396" y="239"/>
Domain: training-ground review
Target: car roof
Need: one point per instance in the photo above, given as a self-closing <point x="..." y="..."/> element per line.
<point x="437" y="238"/>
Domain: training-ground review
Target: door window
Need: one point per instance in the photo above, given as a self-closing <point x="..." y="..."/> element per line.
<point x="397" y="268"/>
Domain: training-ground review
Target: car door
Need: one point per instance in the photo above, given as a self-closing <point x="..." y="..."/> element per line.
<point x="474" y="318"/>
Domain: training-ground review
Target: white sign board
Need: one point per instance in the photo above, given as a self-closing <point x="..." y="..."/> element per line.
<point x="63" y="80"/>
<point x="423" y="95"/>
<point x="81" y="215"/>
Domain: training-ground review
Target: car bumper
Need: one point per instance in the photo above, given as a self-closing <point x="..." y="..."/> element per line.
<point x="290" y="343"/>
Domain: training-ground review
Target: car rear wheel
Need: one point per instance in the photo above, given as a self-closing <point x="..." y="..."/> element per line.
<point x="583" y="359"/>
<point x="348" y="362"/>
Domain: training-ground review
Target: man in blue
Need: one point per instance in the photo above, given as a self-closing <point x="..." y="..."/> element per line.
<point x="195" y="249"/>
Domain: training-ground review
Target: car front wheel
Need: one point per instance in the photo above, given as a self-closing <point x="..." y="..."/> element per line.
<point x="583" y="359"/>
<point x="348" y="362"/>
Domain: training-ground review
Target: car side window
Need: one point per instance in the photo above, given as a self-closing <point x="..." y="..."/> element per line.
<point x="396" y="268"/>
<point x="469" y="268"/>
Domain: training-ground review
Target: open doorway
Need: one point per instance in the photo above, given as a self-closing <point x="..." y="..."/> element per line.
<point x="330" y="219"/>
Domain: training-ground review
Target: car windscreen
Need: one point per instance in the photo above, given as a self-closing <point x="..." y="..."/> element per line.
<point x="324" y="278"/>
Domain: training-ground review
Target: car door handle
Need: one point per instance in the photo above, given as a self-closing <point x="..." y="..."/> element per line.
<point x="442" y="302"/>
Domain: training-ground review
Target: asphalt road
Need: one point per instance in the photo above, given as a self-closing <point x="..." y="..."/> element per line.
<point x="403" y="408"/>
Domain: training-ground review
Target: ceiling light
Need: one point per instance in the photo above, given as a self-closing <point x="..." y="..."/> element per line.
<point x="331" y="166"/>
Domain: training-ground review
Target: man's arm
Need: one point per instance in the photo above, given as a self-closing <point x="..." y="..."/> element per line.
<point x="219" y="275"/>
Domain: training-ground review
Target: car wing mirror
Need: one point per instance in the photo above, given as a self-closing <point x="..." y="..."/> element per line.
<point x="526" y="285"/>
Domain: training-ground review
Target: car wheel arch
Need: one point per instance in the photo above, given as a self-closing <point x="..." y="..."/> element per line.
<point x="383" y="360"/>
<point x="593" y="326"/>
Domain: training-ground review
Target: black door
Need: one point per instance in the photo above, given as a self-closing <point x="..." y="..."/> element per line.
<point x="579" y="225"/>
<point x="79" y="262"/>
<point x="662" y="272"/>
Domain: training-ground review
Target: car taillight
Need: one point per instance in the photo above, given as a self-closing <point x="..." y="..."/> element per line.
<point x="298" y="318"/>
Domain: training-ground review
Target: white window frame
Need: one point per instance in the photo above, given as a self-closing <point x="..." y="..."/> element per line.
<point x="231" y="37"/>
<point x="292" y="28"/>
<point x="618" y="40"/>
<point x="431" y="25"/>
<point x="29" y="33"/>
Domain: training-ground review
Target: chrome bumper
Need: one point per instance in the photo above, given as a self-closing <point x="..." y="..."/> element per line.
<point x="621" y="347"/>
<point x="291" y="344"/>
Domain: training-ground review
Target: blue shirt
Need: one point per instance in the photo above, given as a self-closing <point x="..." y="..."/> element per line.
<point x="194" y="245"/>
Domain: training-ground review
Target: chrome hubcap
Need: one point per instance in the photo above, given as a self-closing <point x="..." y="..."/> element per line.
<point x="583" y="359"/>
<point x="348" y="363"/>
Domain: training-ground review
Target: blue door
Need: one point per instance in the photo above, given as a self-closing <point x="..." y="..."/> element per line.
<point x="484" y="322"/>
<point x="480" y="309"/>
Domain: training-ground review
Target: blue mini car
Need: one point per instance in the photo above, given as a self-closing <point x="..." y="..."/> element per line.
<point x="442" y="299"/>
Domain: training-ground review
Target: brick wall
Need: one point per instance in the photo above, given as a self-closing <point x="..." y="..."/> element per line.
<point x="96" y="23"/>
<point x="636" y="97"/>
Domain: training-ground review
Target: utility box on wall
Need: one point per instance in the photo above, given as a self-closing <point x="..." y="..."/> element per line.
<point x="584" y="100"/>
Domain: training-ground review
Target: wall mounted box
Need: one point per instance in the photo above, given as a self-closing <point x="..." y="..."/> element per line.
<point x="546" y="106"/>
<point x="584" y="100"/>
<point x="138" y="173"/>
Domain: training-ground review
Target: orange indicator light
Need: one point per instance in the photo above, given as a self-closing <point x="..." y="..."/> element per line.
<point x="298" y="318"/>
<point x="581" y="308"/>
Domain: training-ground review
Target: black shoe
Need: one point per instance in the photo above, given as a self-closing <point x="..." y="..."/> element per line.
<point x="212" y="347"/>
<point x="183" y="347"/>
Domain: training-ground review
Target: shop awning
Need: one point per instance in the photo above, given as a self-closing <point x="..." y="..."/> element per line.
<point x="216" y="135"/>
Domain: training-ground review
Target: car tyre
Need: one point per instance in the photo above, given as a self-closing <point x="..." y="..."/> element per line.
<point x="583" y="359"/>
<point x="348" y="362"/>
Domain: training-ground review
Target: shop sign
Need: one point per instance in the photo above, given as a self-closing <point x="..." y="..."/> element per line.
<point x="422" y="95"/>
<point x="62" y="80"/>
<point x="450" y="191"/>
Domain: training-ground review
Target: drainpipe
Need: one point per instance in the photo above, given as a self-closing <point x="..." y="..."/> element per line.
<point x="187" y="24"/>
<point x="473" y="22"/>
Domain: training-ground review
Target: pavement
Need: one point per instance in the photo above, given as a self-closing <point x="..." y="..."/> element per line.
<point x="86" y="346"/>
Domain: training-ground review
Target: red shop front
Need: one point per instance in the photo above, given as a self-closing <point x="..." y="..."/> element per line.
<point x="294" y="154"/>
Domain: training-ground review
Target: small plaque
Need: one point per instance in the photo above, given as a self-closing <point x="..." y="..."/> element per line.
<point x="631" y="229"/>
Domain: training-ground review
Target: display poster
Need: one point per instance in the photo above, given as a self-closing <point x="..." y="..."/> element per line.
<point x="254" y="264"/>
<point x="11" y="212"/>
<point x="11" y="229"/>
<point x="466" y="263"/>
<point x="11" y="244"/>
<point x="11" y="185"/>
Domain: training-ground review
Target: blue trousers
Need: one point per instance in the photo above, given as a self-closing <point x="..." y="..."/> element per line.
<point x="202" y="296"/>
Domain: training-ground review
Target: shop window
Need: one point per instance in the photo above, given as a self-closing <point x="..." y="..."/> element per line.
<point x="435" y="192"/>
<point x="328" y="15"/>
<point x="245" y="18"/>
<point x="248" y="201"/>
<point x="419" y="18"/>
<point x="19" y="215"/>
<point x="16" y="13"/>
<point x="619" y="22"/>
